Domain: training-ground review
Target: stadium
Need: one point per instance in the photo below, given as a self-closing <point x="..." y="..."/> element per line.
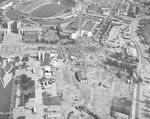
<point x="35" y="10"/>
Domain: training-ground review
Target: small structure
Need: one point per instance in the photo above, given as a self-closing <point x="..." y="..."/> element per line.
<point x="48" y="71"/>
<point x="52" y="108"/>
<point x="81" y="76"/>
<point x="121" y="108"/>
<point x="34" y="110"/>
<point x="119" y="115"/>
<point x="52" y="115"/>
<point x="131" y="51"/>
<point x="22" y="117"/>
<point x="3" y="31"/>
<point x="46" y="58"/>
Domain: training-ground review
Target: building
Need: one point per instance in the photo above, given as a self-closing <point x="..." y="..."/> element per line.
<point x="30" y="38"/>
<point x="22" y="117"/>
<point x="131" y="51"/>
<point x="93" y="8"/>
<point x="87" y="28"/>
<point x="52" y="115"/>
<point x="3" y="31"/>
<point x="46" y="58"/>
<point x="123" y="8"/>
<point x="30" y="29"/>
<point x="119" y="115"/>
<point x="48" y="73"/>
<point x="6" y="71"/>
<point x="81" y="76"/>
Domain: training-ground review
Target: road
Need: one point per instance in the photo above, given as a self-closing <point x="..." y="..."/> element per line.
<point x="137" y="109"/>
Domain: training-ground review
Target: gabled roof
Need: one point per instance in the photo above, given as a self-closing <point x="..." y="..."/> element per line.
<point x="6" y="73"/>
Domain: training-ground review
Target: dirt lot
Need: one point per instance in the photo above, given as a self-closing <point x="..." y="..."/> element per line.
<point x="95" y="98"/>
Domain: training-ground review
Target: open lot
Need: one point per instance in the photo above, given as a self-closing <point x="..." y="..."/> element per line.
<point x="95" y="98"/>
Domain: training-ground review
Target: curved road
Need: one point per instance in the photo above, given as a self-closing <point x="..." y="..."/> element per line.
<point x="141" y="51"/>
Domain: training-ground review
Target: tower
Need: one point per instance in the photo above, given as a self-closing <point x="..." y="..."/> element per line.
<point x="12" y="26"/>
<point x="80" y="18"/>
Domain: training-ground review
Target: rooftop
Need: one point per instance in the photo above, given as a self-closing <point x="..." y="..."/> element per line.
<point x="81" y="76"/>
<point x="30" y="28"/>
<point x="29" y="37"/>
<point x="88" y="25"/>
<point x="50" y="35"/>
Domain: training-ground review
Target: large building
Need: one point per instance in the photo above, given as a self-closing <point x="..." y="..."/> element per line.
<point x="30" y="29"/>
<point x="87" y="28"/>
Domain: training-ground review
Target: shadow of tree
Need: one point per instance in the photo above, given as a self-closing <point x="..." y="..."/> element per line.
<point x="146" y="115"/>
<point x="146" y="110"/>
<point x="146" y="96"/>
<point x="147" y="102"/>
<point x="148" y="82"/>
<point x="147" y="106"/>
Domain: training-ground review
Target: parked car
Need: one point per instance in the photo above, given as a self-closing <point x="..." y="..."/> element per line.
<point x="47" y="84"/>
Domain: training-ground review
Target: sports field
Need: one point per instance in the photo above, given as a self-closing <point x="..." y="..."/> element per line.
<point x="47" y="10"/>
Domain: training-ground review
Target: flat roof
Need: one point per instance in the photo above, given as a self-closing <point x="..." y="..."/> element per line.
<point x="30" y="28"/>
<point x="88" y="25"/>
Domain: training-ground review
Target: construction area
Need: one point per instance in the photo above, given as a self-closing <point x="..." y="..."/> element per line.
<point x="70" y="83"/>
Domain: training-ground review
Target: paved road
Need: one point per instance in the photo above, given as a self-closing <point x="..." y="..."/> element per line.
<point x="138" y="107"/>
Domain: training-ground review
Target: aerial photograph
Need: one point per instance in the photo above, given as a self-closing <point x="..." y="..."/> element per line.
<point x="74" y="59"/>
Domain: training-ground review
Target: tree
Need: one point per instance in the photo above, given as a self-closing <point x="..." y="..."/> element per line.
<point x="148" y="50"/>
<point x="26" y="82"/>
<point x="144" y="42"/>
<point x="24" y="79"/>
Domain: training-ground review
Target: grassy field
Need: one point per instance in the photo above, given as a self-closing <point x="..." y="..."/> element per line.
<point x="47" y="10"/>
<point x="9" y="14"/>
<point x="147" y="32"/>
<point x="26" y="21"/>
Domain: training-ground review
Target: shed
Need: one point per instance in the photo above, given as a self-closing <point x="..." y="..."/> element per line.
<point x="81" y="76"/>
